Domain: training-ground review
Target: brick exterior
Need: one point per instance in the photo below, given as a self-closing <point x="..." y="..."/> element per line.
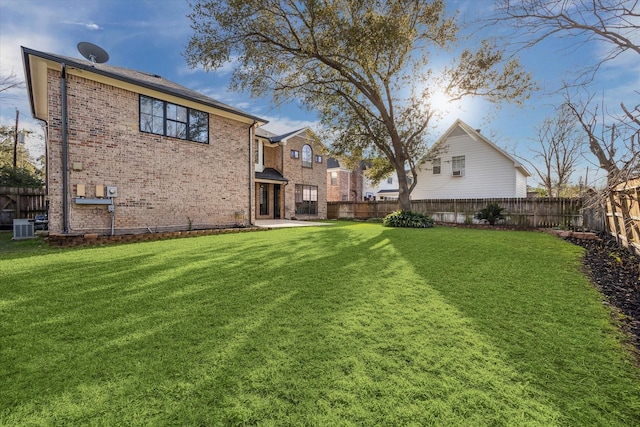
<point x="348" y="186"/>
<point x="163" y="183"/>
<point x="297" y="174"/>
<point x="279" y="158"/>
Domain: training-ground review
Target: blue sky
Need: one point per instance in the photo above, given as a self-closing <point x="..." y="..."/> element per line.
<point x="150" y="35"/>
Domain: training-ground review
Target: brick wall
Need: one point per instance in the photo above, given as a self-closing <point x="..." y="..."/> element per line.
<point x="297" y="174"/>
<point x="163" y="183"/>
<point x="348" y="186"/>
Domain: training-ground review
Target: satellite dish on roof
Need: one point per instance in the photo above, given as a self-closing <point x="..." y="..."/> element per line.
<point x="93" y="53"/>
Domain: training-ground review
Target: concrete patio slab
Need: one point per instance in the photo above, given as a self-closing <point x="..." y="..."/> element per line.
<point x="282" y="223"/>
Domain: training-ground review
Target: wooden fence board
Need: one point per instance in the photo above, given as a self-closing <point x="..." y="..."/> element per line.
<point x="20" y="203"/>
<point x="623" y="214"/>
<point x="519" y="212"/>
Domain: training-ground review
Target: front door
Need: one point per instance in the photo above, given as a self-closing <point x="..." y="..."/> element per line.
<point x="276" y="201"/>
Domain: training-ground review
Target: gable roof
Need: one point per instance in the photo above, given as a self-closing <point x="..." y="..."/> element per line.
<point x="274" y="139"/>
<point x="36" y="62"/>
<point x="458" y="126"/>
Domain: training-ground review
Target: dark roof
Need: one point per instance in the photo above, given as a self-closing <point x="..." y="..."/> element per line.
<point x="138" y="78"/>
<point x="272" y="137"/>
<point x="271" y="174"/>
<point x="279" y="138"/>
<point x="388" y="191"/>
<point x="335" y="163"/>
<point x="332" y="163"/>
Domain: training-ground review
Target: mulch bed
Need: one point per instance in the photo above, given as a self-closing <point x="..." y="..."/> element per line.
<point x="615" y="271"/>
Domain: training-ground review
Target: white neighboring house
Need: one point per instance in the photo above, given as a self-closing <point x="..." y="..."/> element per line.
<point x="469" y="166"/>
<point x="387" y="189"/>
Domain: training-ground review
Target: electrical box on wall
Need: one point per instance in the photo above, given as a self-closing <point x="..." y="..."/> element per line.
<point x="112" y="191"/>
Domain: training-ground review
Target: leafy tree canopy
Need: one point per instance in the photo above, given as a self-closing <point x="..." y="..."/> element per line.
<point x="363" y="65"/>
<point x="26" y="174"/>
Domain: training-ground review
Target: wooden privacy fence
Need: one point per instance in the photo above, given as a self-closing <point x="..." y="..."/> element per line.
<point x="623" y="214"/>
<point x="20" y="203"/>
<point x="518" y="212"/>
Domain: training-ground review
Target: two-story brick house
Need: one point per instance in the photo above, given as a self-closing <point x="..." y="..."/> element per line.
<point x="131" y="152"/>
<point x="344" y="184"/>
<point x="290" y="175"/>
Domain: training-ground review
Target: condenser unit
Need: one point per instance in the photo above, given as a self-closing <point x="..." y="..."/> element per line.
<point x="23" y="229"/>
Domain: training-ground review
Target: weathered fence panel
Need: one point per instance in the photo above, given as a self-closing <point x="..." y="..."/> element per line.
<point x="623" y="214"/>
<point x="20" y="203"/>
<point x="519" y="212"/>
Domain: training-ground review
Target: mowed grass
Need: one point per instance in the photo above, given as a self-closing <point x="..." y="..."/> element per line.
<point x="349" y="324"/>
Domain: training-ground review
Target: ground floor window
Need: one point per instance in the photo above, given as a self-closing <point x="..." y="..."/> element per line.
<point x="306" y="199"/>
<point x="264" y="199"/>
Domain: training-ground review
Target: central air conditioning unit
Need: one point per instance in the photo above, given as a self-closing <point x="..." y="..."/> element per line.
<point x="23" y="229"/>
<point x="457" y="173"/>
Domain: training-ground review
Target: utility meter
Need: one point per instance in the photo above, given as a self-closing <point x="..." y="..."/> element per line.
<point x="112" y="191"/>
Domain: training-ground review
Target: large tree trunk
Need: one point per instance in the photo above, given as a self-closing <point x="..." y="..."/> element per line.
<point x="404" y="202"/>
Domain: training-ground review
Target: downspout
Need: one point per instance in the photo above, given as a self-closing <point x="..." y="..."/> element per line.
<point x="251" y="175"/>
<point x="65" y="152"/>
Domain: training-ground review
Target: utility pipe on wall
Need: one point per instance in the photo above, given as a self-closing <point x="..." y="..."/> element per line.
<point x="65" y="151"/>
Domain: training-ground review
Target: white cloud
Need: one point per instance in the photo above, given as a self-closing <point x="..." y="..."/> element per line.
<point x="88" y="25"/>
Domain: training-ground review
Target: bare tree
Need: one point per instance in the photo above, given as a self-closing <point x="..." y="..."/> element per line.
<point x="615" y="141"/>
<point x="559" y="148"/>
<point x="9" y="81"/>
<point x="612" y="140"/>
<point x="615" y="22"/>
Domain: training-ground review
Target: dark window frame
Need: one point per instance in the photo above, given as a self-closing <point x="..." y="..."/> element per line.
<point x="305" y="203"/>
<point x="295" y="154"/>
<point x="187" y="124"/>
<point x="264" y="199"/>
<point x="307" y="156"/>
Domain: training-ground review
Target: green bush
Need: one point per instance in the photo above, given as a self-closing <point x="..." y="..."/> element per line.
<point x="407" y="219"/>
<point x="491" y="213"/>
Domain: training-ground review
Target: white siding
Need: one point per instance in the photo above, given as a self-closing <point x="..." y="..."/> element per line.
<point x="488" y="173"/>
<point x="382" y="185"/>
<point x="521" y="184"/>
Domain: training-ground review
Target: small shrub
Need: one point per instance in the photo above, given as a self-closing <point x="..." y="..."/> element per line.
<point x="407" y="219"/>
<point x="491" y="213"/>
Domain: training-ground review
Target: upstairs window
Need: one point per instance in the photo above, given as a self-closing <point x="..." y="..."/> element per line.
<point x="457" y="166"/>
<point x="295" y="154"/>
<point x="318" y="159"/>
<point x="164" y="118"/>
<point x="390" y="180"/>
<point x="334" y="178"/>
<point x="307" y="156"/>
<point x="436" y="163"/>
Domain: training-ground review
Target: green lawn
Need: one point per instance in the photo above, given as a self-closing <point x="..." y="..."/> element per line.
<point x="350" y="324"/>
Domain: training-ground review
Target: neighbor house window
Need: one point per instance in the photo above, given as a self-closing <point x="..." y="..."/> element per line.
<point x="436" y="166"/>
<point x="307" y="156"/>
<point x="164" y="118"/>
<point x="264" y="199"/>
<point x="295" y="154"/>
<point x="390" y="180"/>
<point x="306" y="199"/>
<point x="318" y="159"/>
<point x="457" y="166"/>
<point x="334" y="178"/>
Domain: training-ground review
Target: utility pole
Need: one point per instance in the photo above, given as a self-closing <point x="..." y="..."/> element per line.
<point x="15" y="142"/>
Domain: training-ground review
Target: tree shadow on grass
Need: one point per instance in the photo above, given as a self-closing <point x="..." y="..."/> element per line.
<point x="320" y="326"/>
<point x="524" y="293"/>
